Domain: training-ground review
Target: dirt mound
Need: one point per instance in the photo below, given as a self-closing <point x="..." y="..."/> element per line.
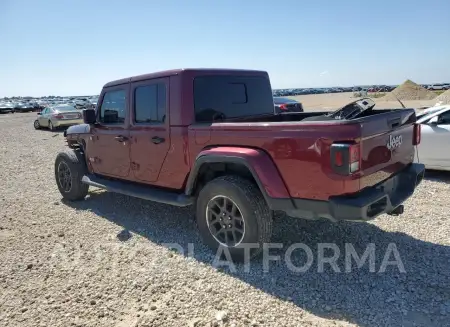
<point x="409" y="91"/>
<point x="444" y="97"/>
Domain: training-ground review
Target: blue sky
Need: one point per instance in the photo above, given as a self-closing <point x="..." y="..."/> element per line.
<point x="74" y="47"/>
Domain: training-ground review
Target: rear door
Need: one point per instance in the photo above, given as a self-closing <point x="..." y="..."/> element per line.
<point x="150" y="128"/>
<point x="109" y="145"/>
<point x="387" y="144"/>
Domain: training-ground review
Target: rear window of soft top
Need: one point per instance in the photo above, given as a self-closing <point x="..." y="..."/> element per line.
<point x="220" y="97"/>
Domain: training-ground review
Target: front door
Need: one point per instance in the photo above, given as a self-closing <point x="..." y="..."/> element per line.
<point x="149" y="128"/>
<point x="435" y="143"/>
<point x="108" y="148"/>
<point x="44" y="117"/>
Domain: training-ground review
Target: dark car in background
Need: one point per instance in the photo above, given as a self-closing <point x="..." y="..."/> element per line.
<point x="6" y="107"/>
<point x="286" y="105"/>
<point x="23" y="107"/>
<point x="82" y="103"/>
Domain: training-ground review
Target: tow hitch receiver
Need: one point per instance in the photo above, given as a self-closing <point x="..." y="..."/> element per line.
<point x="397" y="211"/>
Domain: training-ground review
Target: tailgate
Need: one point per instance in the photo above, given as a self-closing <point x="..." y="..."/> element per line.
<point x="387" y="145"/>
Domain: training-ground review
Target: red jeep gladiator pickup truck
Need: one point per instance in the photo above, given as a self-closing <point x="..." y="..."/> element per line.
<point x="211" y="138"/>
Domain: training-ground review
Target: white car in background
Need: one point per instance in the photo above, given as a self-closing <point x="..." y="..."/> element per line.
<point x="434" y="147"/>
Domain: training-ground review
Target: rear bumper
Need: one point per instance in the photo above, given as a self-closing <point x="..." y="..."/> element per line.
<point x="68" y="122"/>
<point x="365" y="205"/>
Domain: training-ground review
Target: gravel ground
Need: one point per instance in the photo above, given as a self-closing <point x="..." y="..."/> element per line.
<point x="104" y="261"/>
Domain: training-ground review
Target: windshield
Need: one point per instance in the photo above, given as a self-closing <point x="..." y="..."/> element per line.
<point x="430" y="114"/>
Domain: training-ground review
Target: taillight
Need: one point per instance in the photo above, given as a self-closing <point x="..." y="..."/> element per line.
<point x="417" y="134"/>
<point x="338" y="161"/>
<point x="282" y="107"/>
<point x="58" y="116"/>
<point x="355" y="158"/>
<point x="345" y="158"/>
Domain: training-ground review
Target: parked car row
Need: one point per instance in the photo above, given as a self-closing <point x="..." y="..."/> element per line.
<point x="305" y="91"/>
<point x="368" y="88"/>
<point x="11" y="105"/>
<point x="26" y="106"/>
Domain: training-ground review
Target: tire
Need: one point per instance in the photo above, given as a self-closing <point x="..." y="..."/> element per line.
<point x="74" y="162"/>
<point x="255" y="213"/>
<point x="36" y="124"/>
<point x="50" y="126"/>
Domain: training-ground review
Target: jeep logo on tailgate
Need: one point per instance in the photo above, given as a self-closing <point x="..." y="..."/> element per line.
<point x="394" y="142"/>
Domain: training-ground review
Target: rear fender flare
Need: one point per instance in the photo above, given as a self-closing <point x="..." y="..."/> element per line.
<point x="257" y="162"/>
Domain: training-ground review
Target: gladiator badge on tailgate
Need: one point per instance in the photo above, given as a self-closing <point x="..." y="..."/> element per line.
<point x="394" y="142"/>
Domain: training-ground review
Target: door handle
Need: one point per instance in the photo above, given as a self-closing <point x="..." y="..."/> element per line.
<point x="157" y="139"/>
<point x="121" y="138"/>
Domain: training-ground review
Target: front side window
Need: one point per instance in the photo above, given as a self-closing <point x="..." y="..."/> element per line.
<point x="444" y="119"/>
<point x="150" y="103"/>
<point x="113" y="109"/>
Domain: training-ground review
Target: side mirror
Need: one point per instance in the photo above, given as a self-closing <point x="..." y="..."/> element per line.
<point x="434" y="120"/>
<point x="89" y="116"/>
<point x="38" y="113"/>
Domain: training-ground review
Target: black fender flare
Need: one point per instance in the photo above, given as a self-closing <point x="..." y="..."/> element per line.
<point x="260" y="165"/>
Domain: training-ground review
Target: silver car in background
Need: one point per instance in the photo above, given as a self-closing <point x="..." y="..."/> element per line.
<point x="58" y="116"/>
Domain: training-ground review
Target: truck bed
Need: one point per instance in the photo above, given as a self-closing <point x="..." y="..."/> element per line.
<point x="302" y="149"/>
<point x="299" y="116"/>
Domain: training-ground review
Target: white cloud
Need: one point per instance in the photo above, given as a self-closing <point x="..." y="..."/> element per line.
<point x="325" y="72"/>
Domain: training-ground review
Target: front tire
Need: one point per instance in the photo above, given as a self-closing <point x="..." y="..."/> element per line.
<point x="232" y="213"/>
<point x="36" y="124"/>
<point x="70" y="168"/>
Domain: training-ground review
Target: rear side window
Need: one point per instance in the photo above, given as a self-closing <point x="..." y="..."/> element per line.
<point x="113" y="109"/>
<point x="229" y="96"/>
<point x="150" y="103"/>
